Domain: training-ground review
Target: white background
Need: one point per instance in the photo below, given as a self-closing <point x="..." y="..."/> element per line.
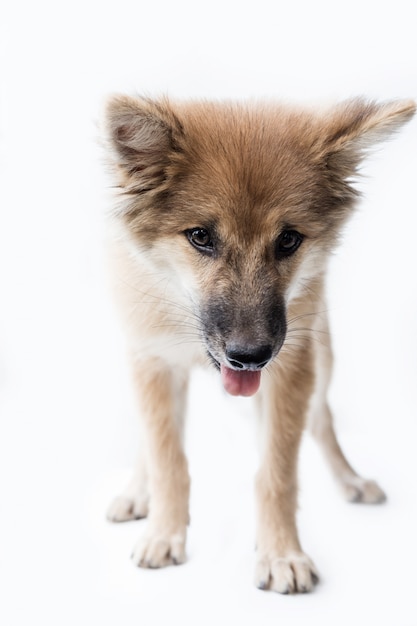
<point x="67" y="424"/>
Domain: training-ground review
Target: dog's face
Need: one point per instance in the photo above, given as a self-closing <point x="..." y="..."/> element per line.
<point x="241" y="205"/>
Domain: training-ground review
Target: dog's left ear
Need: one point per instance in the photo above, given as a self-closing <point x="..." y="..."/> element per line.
<point x="351" y="129"/>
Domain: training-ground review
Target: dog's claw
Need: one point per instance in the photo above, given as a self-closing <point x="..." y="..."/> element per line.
<point x="361" y="491"/>
<point x="291" y="574"/>
<point x="155" y="551"/>
<point x="262" y="585"/>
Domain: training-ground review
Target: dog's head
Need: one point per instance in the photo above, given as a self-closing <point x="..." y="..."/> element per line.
<point x="241" y="203"/>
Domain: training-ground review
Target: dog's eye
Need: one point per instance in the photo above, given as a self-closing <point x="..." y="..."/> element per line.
<point x="201" y="239"/>
<point x="287" y="243"/>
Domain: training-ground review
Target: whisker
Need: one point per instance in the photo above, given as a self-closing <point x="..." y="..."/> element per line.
<point x="320" y="336"/>
<point x="179" y="313"/>
<point x="302" y="315"/>
<point x="175" y="324"/>
<point x="162" y="299"/>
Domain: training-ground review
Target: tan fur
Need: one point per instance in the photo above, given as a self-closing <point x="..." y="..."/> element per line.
<point x="247" y="174"/>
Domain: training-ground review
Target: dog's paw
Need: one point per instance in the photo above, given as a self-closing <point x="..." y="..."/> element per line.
<point x="156" y="549"/>
<point x="363" y="491"/>
<point x="124" y="508"/>
<point x="294" y="573"/>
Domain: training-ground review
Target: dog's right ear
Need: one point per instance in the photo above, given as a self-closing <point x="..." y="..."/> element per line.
<point x="140" y="134"/>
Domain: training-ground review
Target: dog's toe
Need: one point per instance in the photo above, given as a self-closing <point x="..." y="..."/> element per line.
<point x="363" y="491"/>
<point x="294" y="573"/>
<point x="124" y="509"/>
<point x="155" y="550"/>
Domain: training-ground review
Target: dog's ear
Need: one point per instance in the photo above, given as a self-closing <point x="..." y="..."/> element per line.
<point x="141" y="137"/>
<point x="350" y="130"/>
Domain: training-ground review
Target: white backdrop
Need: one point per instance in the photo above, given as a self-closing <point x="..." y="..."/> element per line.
<point x="67" y="425"/>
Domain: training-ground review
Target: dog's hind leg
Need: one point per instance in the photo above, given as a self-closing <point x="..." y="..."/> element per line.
<point x="133" y="503"/>
<point x="353" y="487"/>
<point x="320" y="423"/>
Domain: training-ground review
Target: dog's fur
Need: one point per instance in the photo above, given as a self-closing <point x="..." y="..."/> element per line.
<point x="226" y="216"/>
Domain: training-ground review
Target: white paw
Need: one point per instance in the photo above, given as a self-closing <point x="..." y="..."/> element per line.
<point x="156" y="549"/>
<point x="124" y="508"/>
<point x="358" y="489"/>
<point x="290" y="574"/>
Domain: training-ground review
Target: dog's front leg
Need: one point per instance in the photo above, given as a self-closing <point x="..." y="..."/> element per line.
<point x="161" y="393"/>
<point x="281" y="564"/>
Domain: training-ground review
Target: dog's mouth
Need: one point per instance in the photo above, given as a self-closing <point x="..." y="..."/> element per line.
<point x="240" y="382"/>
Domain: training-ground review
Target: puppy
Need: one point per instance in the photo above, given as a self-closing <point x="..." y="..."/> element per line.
<point x="221" y="235"/>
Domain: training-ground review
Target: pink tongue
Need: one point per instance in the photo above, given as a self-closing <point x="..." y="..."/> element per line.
<point x="240" y="382"/>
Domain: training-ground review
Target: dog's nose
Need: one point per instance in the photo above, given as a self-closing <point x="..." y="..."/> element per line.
<point x="248" y="357"/>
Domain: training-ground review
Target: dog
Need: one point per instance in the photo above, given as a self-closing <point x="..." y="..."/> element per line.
<point x="225" y="217"/>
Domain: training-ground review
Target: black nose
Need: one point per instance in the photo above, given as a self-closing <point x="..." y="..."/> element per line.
<point x="248" y="357"/>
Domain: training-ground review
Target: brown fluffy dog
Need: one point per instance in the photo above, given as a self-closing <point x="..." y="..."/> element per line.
<point x="226" y="217"/>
